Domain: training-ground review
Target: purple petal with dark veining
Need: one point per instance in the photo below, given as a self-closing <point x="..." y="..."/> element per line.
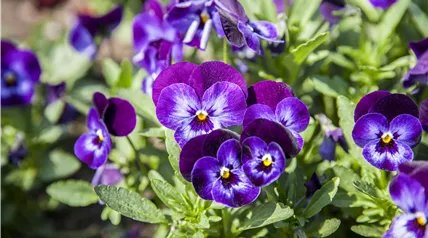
<point x="190" y="128"/>
<point x="190" y="153"/>
<point x="364" y="105"/>
<point x="265" y="30"/>
<point x="251" y="38"/>
<point x="257" y="111"/>
<point x="408" y="194"/>
<point x="90" y="152"/>
<point x="418" y="170"/>
<point x="232" y="8"/>
<point x="269" y="93"/>
<point x="387" y="157"/>
<point x="368" y="128"/>
<point x="406" y="129"/>
<point x="394" y="105"/>
<point x="205" y="173"/>
<point x="229" y="154"/>
<point x="418" y="74"/>
<point x="214" y="140"/>
<point x="253" y="147"/>
<point x="419" y="47"/>
<point x="293" y="114"/>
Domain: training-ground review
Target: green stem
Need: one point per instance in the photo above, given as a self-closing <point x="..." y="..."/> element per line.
<point x="140" y="167"/>
<point x="225" y="51"/>
<point x="225" y="217"/>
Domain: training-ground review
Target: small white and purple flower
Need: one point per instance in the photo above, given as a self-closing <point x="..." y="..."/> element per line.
<point x="20" y="72"/>
<point x="222" y="178"/>
<point x="87" y="27"/>
<point x="195" y="100"/>
<point x="94" y="146"/>
<point x="240" y="31"/>
<point x="419" y="73"/>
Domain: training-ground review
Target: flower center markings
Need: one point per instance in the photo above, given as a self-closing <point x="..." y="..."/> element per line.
<point x="204" y="17"/>
<point x="225" y="173"/>
<point x="202" y="115"/>
<point x="421" y="220"/>
<point x="10" y="79"/>
<point x="100" y="135"/>
<point x="267" y="160"/>
<point x="387" y="138"/>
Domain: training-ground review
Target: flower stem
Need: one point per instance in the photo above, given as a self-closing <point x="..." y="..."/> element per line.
<point x="140" y="167"/>
<point x="225" y="51"/>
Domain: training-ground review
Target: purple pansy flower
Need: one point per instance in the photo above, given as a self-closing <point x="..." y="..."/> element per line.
<point x="289" y="111"/>
<point x="312" y="185"/>
<point x="383" y="102"/>
<point x="200" y="146"/>
<point x="333" y="136"/>
<point x="328" y="7"/>
<point x="386" y="144"/>
<point x="194" y="100"/>
<point x="424" y="115"/>
<point x="262" y="163"/>
<point x="155" y="41"/>
<point x="239" y="30"/>
<point x="94" y="146"/>
<point x="419" y="73"/>
<point x="86" y="28"/>
<point x="118" y="114"/>
<point x="56" y="92"/>
<point x="107" y="174"/>
<point x="410" y="195"/>
<point x="194" y="19"/>
<point x="269" y="93"/>
<point x="222" y="179"/>
<point x="384" y="4"/>
<point x="20" y="72"/>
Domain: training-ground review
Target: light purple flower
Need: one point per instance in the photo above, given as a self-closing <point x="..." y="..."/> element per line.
<point x="222" y="179"/>
<point x="83" y="34"/>
<point x="194" y="19"/>
<point x="409" y="195"/>
<point x="386" y="144"/>
<point x="332" y="137"/>
<point x="194" y="100"/>
<point x="262" y="163"/>
<point x="20" y="72"/>
<point x="424" y="115"/>
<point x="107" y="174"/>
<point x="419" y="73"/>
<point x="239" y="30"/>
<point x="383" y="4"/>
<point x="94" y="146"/>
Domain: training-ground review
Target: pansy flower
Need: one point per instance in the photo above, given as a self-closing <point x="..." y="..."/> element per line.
<point x="239" y="30"/>
<point x="262" y="163"/>
<point x="419" y="73"/>
<point x="94" y="146"/>
<point x="107" y="174"/>
<point x="194" y="19"/>
<point x="118" y="114"/>
<point x="17" y="154"/>
<point x="328" y="9"/>
<point x="288" y="111"/>
<point x="386" y="144"/>
<point x="332" y="136"/>
<point x="155" y="41"/>
<point x="222" y="178"/>
<point x="424" y="115"/>
<point x="312" y="185"/>
<point x="410" y="195"/>
<point x="20" y="72"/>
<point x="55" y="93"/>
<point x="194" y="100"/>
<point x="383" y="4"/>
<point x="83" y="34"/>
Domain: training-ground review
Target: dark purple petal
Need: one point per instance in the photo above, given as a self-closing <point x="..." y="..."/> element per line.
<point x="368" y="128"/>
<point x="182" y="15"/>
<point x="394" y="105"/>
<point x="312" y="185"/>
<point x="384" y="4"/>
<point x="406" y="226"/>
<point x="89" y="151"/>
<point x="176" y="105"/>
<point x="233" y="8"/>
<point x="24" y="64"/>
<point x="176" y="73"/>
<point x="419" y="47"/>
<point x="209" y="73"/>
<point x="265" y="30"/>
<point x="225" y="104"/>
<point x="17" y="155"/>
<point x="364" y="105"/>
<point x="261" y="175"/>
<point x="269" y="93"/>
<point x="100" y="102"/>
<point x="237" y="192"/>
<point x="154" y="7"/>
<point x="387" y="157"/>
<point x="82" y="40"/>
<point x="419" y="73"/>
<point x="424" y="115"/>
<point x="19" y="94"/>
<point x="418" y="170"/>
<point x="6" y="47"/>
<point x="190" y="128"/>
<point x="231" y="31"/>
<point x="299" y="139"/>
<point x="205" y="173"/>
<point x="327" y="12"/>
<point x="110" y="20"/>
<point x="229" y="154"/>
<point x="214" y="140"/>
<point x="406" y="129"/>
<point x="408" y="194"/>
<point x="327" y="149"/>
<point x="257" y="111"/>
<point x="251" y="38"/>
<point x="253" y="147"/>
<point x="190" y="153"/>
<point x="293" y="114"/>
<point x="120" y="117"/>
<point x="270" y="131"/>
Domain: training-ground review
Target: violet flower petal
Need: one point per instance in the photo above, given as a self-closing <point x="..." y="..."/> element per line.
<point x="327" y="149"/>
<point x="269" y="93"/>
<point x="120" y="117"/>
<point x="190" y="153"/>
<point x="394" y="105"/>
<point x="368" y="128"/>
<point x="406" y="129"/>
<point x="408" y="194"/>
<point x="205" y="173"/>
<point x="364" y="105"/>
<point x="215" y="139"/>
<point x="265" y="30"/>
<point x="383" y="4"/>
<point x="293" y="114"/>
<point x="250" y="37"/>
<point x="418" y="170"/>
<point x="90" y="152"/>
<point x="423" y="117"/>
<point x="82" y="40"/>
<point x="419" y="47"/>
<point x="229" y="154"/>
<point x="406" y="226"/>
<point x="257" y="111"/>
<point x="387" y="157"/>
<point x="253" y="147"/>
<point x="100" y="102"/>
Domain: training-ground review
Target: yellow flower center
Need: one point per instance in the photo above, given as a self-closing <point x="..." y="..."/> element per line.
<point x="204" y="17"/>
<point x="10" y="79"/>
<point x="225" y="173"/>
<point x="267" y="160"/>
<point x="421" y="220"/>
<point x="201" y="115"/>
<point x="387" y="138"/>
<point x="100" y="135"/>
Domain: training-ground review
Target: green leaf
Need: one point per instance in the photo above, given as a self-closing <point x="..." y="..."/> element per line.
<point x="366" y="188"/>
<point x="332" y="87"/>
<point x="59" y="165"/>
<point x="265" y="214"/>
<point x="322" y="228"/>
<point x="142" y="103"/>
<point x="130" y="204"/>
<point x="368" y="230"/>
<point x="420" y="18"/>
<point x="125" y="77"/>
<point x="167" y="193"/>
<point x="346" y="115"/>
<point x="302" y="11"/>
<point x="343" y="199"/>
<point x="153" y="132"/>
<point x="302" y="51"/>
<point x="173" y="150"/>
<point x="322" y="198"/>
<point x="53" y="111"/>
<point x="390" y="20"/>
<point x="75" y="193"/>
<point x="111" y="72"/>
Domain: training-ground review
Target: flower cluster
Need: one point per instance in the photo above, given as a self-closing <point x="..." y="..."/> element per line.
<point x="198" y="101"/>
<point x="387" y="127"/>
